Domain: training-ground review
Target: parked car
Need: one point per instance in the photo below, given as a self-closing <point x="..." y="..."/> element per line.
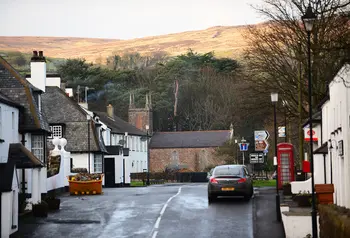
<point x="230" y="180"/>
<point x="209" y="174"/>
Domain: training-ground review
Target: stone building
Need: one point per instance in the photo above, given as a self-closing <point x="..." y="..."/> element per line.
<point x="192" y="150"/>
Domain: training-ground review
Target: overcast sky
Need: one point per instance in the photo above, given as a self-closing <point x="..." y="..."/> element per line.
<point x="120" y="19"/>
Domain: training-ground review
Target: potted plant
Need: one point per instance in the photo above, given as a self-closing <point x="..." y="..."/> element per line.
<point x="287" y="189"/>
<point x="40" y="209"/>
<point x="52" y="201"/>
<point x="303" y="199"/>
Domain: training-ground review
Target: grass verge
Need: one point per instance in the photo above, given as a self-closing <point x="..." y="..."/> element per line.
<point x="264" y="183"/>
<point x="136" y="184"/>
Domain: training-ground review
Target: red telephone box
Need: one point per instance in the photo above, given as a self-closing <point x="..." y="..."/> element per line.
<point x="285" y="160"/>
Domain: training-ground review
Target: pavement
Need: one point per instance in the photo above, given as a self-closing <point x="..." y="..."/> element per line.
<point x="264" y="207"/>
<point x="176" y="211"/>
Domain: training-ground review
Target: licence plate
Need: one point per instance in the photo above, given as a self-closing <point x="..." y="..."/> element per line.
<point x="227" y="189"/>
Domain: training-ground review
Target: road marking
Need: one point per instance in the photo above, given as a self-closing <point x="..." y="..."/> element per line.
<point x="156" y="225"/>
<point x="157" y="222"/>
<point x="155" y="234"/>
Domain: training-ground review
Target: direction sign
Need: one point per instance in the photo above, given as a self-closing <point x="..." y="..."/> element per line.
<point x="256" y="158"/>
<point x="281" y="131"/>
<point x="261" y="145"/>
<point x="261" y="135"/>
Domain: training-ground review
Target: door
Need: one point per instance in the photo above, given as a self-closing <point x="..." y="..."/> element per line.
<point x="109" y="172"/>
<point x="285" y="168"/>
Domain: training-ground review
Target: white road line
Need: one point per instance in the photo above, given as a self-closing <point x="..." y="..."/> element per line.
<point x="155" y="234"/>
<point x="163" y="209"/>
<point x="157" y="222"/>
<point x="156" y="225"/>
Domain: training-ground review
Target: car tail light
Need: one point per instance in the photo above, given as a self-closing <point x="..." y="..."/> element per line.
<point x="242" y="180"/>
<point x="213" y="180"/>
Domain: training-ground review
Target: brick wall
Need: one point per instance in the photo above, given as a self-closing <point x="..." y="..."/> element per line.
<point x="195" y="159"/>
<point x="140" y="117"/>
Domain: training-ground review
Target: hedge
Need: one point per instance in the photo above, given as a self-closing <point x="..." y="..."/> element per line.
<point x="334" y="221"/>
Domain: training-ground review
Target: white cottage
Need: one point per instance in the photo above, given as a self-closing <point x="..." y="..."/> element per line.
<point x="332" y="152"/>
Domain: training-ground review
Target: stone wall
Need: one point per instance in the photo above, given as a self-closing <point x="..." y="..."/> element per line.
<point x="194" y="159"/>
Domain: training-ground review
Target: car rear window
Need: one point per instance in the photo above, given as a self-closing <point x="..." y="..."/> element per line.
<point x="231" y="171"/>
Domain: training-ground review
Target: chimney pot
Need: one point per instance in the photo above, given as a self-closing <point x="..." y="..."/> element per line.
<point x="110" y="111"/>
<point x="41" y="54"/>
<point x="35" y="53"/>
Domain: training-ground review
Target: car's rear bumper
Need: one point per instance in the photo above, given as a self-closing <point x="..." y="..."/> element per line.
<point x="239" y="190"/>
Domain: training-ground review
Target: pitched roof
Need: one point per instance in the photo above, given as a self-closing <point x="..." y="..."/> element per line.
<point x="189" y="139"/>
<point x="8" y="101"/>
<point x="118" y="125"/>
<point x="61" y="109"/>
<point x="6" y="176"/>
<point x="19" y="90"/>
<point x="22" y="157"/>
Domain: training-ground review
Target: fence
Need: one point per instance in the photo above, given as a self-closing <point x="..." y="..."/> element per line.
<point x="183" y="177"/>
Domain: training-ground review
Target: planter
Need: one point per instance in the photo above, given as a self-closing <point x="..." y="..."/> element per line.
<point x="40" y="209"/>
<point x="324" y="193"/>
<point x="303" y="200"/>
<point x="90" y="187"/>
<point x="287" y="189"/>
<point x="53" y="203"/>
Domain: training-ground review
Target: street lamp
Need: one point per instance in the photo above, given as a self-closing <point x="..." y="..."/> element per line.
<point x="148" y="165"/>
<point x="308" y="20"/>
<point x="89" y="124"/>
<point x="274" y="100"/>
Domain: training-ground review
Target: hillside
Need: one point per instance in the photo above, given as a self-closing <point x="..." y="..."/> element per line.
<point x="225" y="41"/>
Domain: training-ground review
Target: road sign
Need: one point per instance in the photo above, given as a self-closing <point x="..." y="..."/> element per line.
<point x="261" y="135"/>
<point x="261" y="145"/>
<point x="281" y="131"/>
<point x="243" y="146"/>
<point x="256" y="158"/>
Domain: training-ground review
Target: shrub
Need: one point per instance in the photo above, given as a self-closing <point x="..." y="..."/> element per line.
<point x="334" y="221"/>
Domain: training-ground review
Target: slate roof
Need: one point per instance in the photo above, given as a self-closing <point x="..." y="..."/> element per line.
<point x="19" y="90"/>
<point x="118" y="125"/>
<point x="22" y="157"/>
<point x="6" y="176"/>
<point x="189" y="139"/>
<point x="8" y="101"/>
<point x="61" y="109"/>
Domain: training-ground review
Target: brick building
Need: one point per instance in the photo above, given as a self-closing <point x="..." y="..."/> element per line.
<point x="193" y="150"/>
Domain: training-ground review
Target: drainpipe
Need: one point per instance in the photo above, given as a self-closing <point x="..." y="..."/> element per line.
<point x="23" y="170"/>
<point x="324" y="156"/>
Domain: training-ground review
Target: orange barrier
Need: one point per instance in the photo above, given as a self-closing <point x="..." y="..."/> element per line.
<point x="85" y="187"/>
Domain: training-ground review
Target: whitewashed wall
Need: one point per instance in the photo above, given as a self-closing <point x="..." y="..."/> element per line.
<point x="9" y="210"/>
<point x="9" y="129"/>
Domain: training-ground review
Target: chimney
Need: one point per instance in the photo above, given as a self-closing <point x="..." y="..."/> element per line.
<point x="110" y="111"/>
<point x="38" y="70"/>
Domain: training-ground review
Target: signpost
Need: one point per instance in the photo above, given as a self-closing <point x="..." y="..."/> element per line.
<point x="256" y="158"/>
<point x="243" y="146"/>
<point x="281" y="131"/>
<point x="260" y="138"/>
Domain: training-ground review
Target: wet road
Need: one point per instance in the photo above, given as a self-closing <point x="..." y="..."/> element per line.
<point x="156" y="211"/>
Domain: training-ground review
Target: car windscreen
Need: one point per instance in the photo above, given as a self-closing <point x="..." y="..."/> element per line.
<point x="228" y="171"/>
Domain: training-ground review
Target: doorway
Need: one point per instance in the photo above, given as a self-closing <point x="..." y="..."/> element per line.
<point x="109" y="172"/>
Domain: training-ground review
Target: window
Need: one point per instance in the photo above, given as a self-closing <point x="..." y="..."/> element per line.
<point x="13" y="120"/>
<point x="38" y="146"/>
<point x="98" y="163"/>
<point x="56" y="131"/>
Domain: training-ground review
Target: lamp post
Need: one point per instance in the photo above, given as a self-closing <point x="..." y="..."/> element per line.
<point x="89" y="122"/>
<point x="148" y="165"/>
<point x="274" y="100"/>
<point x="308" y="20"/>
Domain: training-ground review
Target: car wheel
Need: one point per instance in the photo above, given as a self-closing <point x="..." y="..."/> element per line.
<point x="211" y="198"/>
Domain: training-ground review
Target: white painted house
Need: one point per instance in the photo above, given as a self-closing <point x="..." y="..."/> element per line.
<point x="118" y="134"/>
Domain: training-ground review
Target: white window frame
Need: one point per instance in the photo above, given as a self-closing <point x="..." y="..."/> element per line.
<point x="38" y="146"/>
<point x="98" y="166"/>
<point x="56" y="131"/>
